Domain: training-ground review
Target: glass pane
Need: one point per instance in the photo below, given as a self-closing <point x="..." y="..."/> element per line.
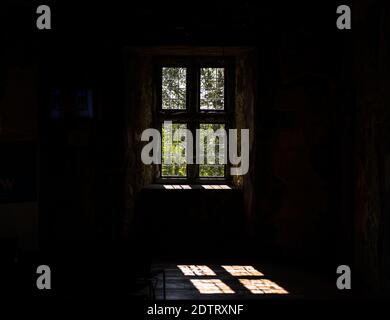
<point x="212" y="88"/>
<point x="173" y="152"/>
<point x="174" y="88"/>
<point x="212" y="150"/>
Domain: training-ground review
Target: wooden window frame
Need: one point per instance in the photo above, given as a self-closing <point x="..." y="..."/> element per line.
<point x="193" y="116"/>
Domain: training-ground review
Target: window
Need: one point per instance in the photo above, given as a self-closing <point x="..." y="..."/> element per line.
<point x="194" y="95"/>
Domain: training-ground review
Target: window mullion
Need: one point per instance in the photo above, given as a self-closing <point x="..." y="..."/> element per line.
<point x="192" y="116"/>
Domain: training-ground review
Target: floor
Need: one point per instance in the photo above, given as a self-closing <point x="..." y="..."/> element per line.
<point x="247" y="281"/>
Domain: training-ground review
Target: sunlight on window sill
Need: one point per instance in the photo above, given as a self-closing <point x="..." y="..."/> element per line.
<point x="188" y="187"/>
<point x="216" y="187"/>
<point x="174" y="186"/>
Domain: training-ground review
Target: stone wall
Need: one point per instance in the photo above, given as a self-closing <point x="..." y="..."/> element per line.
<point x="139" y="106"/>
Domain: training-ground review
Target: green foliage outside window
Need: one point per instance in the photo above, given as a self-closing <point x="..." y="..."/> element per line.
<point x="174" y="90"/>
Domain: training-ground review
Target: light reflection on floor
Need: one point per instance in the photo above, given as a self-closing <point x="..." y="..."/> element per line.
<point x="195" y="270"/>
<point x="239" y="271"/>
<point x="211" y="286"/>
<point x="262" y="286"/>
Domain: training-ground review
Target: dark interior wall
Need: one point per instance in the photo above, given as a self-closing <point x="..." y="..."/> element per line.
<point x="371" y="225"/>
<point x="81" y="158"/>
<point x="316" y="99"/>
<point x="139" y="115"/>
<point x="245" y="105"/>
<point x="303" y="168"/>
<point x="19" y="216"/>
<point x="304" y="143"/>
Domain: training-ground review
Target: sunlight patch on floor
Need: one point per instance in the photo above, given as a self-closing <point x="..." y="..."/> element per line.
<point x="262" y="286"/>
<point x="211" y="286"/>
<point x="239" y="271"/>
<point x="196" y="270"/>
<point x="256" y="284"/>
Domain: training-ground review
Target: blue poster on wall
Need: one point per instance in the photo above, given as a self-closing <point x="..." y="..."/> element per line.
<point x="75" y="103"/>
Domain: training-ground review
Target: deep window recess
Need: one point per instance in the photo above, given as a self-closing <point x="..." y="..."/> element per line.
<point x="194" y="94"/>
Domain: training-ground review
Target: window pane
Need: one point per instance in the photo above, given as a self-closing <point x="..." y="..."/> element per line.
<point x="212" y="150"/>
<point x="212" y="88"/>
<point x="173" y="88"/>
<point x="173" y="151"/>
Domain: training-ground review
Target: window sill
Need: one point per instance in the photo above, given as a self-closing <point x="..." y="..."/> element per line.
<point x="178" y="186"/>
